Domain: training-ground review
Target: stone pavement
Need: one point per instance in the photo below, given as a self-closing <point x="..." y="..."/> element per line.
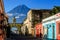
<point x="22" y="37"/>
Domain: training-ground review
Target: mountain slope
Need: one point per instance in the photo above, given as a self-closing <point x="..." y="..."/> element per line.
<point x="19" y="12"/>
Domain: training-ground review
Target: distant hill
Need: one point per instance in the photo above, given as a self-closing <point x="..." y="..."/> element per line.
<point x="19" y="12"/>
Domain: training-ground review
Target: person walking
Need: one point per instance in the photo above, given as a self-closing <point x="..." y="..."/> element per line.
<point x="41" y="35"/>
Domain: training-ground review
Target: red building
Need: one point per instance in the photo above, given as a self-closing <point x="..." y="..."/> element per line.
<point x="39" y="29"/>
<point x="58" y="26"/>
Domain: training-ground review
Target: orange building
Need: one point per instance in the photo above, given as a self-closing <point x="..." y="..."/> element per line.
<point x="39" y="30"/>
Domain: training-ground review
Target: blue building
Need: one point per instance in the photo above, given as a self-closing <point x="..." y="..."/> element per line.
<point x="49" y="26"/>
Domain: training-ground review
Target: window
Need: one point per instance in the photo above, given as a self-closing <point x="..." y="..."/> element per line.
<point x="49" y="26"/>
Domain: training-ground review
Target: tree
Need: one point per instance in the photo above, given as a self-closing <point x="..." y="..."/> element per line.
<point x="55" y="10"/>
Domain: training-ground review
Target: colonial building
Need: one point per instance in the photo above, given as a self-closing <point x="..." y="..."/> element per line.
<point x="34" y="17"/>
<point x="57" y="23"/>
<point x="3" y="18"/>
<point x="38" y="15"/>
<point x="24" y="28"/>
<point x="49" y="26"/>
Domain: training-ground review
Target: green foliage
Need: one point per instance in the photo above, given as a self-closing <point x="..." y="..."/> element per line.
<point x="55" y="10"/>
<point x="17" y="25"/>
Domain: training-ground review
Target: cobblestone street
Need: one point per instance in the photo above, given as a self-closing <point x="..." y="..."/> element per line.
<point x="21" y="37"/>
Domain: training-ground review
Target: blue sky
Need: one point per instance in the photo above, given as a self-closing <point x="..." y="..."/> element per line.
<point x="33" y="4"/>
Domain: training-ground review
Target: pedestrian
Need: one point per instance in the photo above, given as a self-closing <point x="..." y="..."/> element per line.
<point x="41" y="36"/>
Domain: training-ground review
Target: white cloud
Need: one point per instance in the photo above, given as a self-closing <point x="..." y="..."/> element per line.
<point x="22" y="15"/>
<point x="17" y="17"/>
<point x="9" y="14"/>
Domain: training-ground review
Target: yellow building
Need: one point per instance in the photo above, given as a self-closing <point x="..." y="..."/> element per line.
<point x="29" y="23"/>
<point x="24" y="27"/>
